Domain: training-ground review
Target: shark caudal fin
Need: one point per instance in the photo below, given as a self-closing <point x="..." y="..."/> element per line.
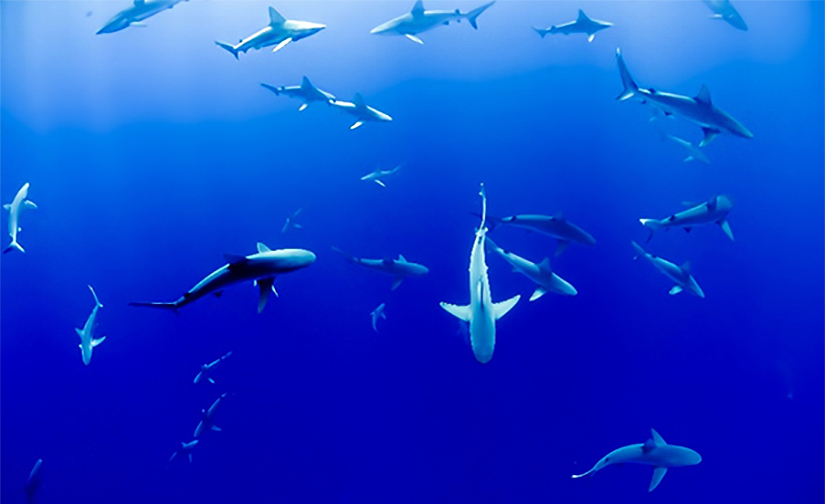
<point x="229" y="47"/>
<point x="473" y="14"/>
<point x="541" y="31"/>
<point x="630" y="87"/>
<point x="639" y="250"/>
<point x="348" y="257"/>
<point x="653" y="225"/>
<point x="274" y="89"/>
<point x="14" y="246"/>
<point x="166" y="306"/>
<point x="97" y="301"/>
<point x="501" y="309"/>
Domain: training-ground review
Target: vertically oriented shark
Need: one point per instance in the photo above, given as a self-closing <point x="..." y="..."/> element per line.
<point x="207" y="417"/>
<point x="15" y="207"/>
<point x="582" y="24"/>
<point x="698" y="109"/>
<point x="292" y="221"/>
<point x="362" y="112"/>
<point x="185" y="449"/>
<point x="653" y="452"/>
<point x="376" y="314"/>
<point x="725" y="11"/>
<point x="694" y="152"/>
<point x="419" y="20"/>
<point x="306" y="92"/>
<point x="278" y="33"/>
<point x="399" y="268"/>
<point x="34" y="482"/>
<point x="134" y="15"/>
<point x="87" y="339"/>
<point x="261" y="268"/>
<point x="680" y="275"/>
<point x="481" y="313"/>
<point x="541" y="274"/>
<point x="713" y="211"/>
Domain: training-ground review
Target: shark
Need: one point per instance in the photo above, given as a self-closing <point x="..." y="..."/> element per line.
<point x="541" y="274"/>
<point x="362" y="112"/>
<point x="291" y="221"/>
<point x="653" y="452"/>
<point x="279" y="33"/>
<point x="306" y="92"/>
<point x="185" y="449"/>
<point x="582" y="24"/>
<point x="134" y="15"/>
<point x="399" y="268"/>
<point x="419" y="20"/>
<point x="206" y="369"/>
<point x="34" y="482"/>
<point x="207" y="417"/>
<point x="694" y="152"/>
<point x="482" y="313"/>
<point x="376" y="314"/>
<point x="17" y="205"/>
<point x="87" y="339"/>
<point x="379" y="174"/>
<point x="699" y="109"/>
<point x="680" y="275"/>
<point x="557" y="226"/>
<point x="261" y="268"/>
<point x="713" y="211"/>
<point x="725" y="11"/>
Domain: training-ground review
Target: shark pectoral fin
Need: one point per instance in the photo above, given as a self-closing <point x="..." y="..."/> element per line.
<point x="357" y="124"/>
<point x="501" y="309"/>
<point x="190" y="458"/>
<point x="282" y="45"/>
<point x="675" y="290"/>
<point x="379" y="182"/>
<point x="539" y="292"/>
<point x="197" y="378"/>
<point x="689" y="159"/>
<point x="215" y="428"/>
<point x="414" y="39"/>
<point x="29" y="204"/>
<point x="710" y="134"/>
<point x="726" y="228"/>
<point x="96" y="342"/>
<point x="264" y="286"/>
<point x="591" y="37"/>
<point x="139" y="24"/>
<point x="561" y="247"/>
<point x="658" y="474"/>
<point x="7" y="206"/>
<point x="460" y="312"/>
<point x="303" y="107"/>
<point x="211" y="380"/>
<point x="396" y="282"/>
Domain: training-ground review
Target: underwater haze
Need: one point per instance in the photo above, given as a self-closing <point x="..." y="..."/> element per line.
<point x="151" y="152"/>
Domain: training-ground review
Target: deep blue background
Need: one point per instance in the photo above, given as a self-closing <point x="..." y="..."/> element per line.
<point x="151" y="153"/>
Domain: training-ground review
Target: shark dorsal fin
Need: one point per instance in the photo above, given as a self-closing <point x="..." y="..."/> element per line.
<point x="263" y="248"/>
<point x="659" y="440"/>
<point x="305" y="84"/>
<point x="401" y="258"/>
<point x="648" y="446"/>
<point x="711" y="204"/>
<point x="275" y="18"/>
<point x="359" y="101"/>
<point x="418" y="8"/>
<point x="234" y="259"/>
<point x="582" y="17"/>
<point x="545" y="266"/>
<point x="704" y="96"/>
<point x="686" y="267"/>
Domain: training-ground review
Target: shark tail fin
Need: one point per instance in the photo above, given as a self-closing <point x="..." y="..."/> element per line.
<point x="473" y="14"/>
<point x="274" y="89"/>
<point x="653" y="225"/>
<point x="348" y="257"/>
<point x="94" y="294"/>
<point x="639" y="250"/>
<point x="541" y="31"/>
<point x="13" y="246"/>
<point x="630" y="87"/>
<point x="228" y="47"/>
<point x="166" y="306"/>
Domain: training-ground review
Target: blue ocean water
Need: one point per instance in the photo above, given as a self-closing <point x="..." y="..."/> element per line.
<point x="151" y="153"/>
